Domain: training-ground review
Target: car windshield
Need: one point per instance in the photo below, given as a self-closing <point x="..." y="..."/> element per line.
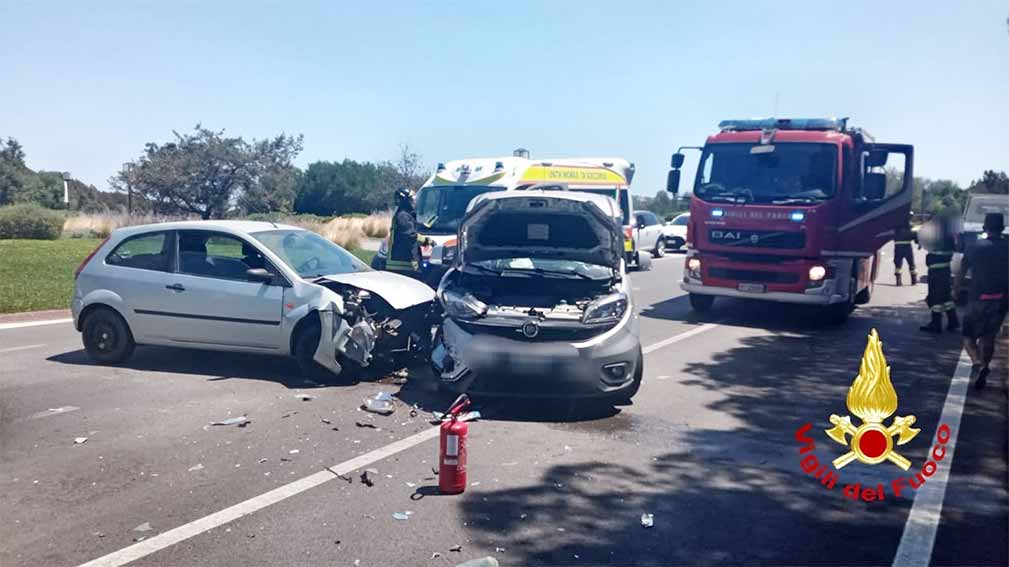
<point x="619" y="195"/>
<point x="543" y="267"/>
<point x="440" y="209"/>
<point x="980" y="207"/>
<point x="310" y="254"/>
<point x="782" y="174"/>
<point x="681" y="220"/>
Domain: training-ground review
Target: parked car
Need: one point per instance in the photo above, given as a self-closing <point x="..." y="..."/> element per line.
<point x="538" y="303"/>
<point x="974" y="211"/>
<point x="675" y="232"/>
<point x="648" y="234"/>
<point x="245" y="287"/>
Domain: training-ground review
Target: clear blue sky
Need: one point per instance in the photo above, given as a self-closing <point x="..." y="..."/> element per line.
<point x="86" y="84"/>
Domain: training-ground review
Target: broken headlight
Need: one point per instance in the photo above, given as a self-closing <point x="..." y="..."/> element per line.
<point x="463" y="306"/>
<point x="606" y="309"/>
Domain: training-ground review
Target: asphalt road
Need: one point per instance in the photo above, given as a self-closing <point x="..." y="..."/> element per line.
<point x="708" y="448"/>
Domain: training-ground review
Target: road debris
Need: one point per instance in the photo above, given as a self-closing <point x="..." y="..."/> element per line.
<point x="456" y="548"/>
<point x="240" y="421"/>
<point x="365" y="424"/>
<point x="435" y="555"/>
<point x="380" y="403"/>
<point x="263" y="460"/>
<point x="305" y="397"/>
<point x="324" y="420"/>
<point x="499" y="550"/>
<point x="80" y="440"/>
<point x="293" y="451"/>
<point x="647" y="520"/>
<point x="144" y="527"/>
<point x="289" y="414"/>
<point x="400" y="516"/>
<point x="367" y="477"/>
<point x="196" y="467"/>
<point x="99" y="534"/>
<point x="411" y="484"/>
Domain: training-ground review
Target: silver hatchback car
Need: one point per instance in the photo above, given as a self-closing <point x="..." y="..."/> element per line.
<point x="246" y="287"/>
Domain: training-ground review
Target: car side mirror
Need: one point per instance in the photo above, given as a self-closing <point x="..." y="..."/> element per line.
<point x="673" y="181"/>
<point x="677" y="161"/>
<point x="642" y="224"/>
<point x="259" y="275"/>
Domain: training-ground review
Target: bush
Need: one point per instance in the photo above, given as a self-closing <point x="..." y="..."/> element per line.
<point x="30" y="221"/>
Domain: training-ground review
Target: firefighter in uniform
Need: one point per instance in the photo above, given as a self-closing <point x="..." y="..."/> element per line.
<point x="940" y="282"/>
<point x="902" y="241"/>
<point x="404" y="243"/>
<point x="988" y="297"/>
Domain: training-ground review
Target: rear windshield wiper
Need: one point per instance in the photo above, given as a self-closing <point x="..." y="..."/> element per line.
<point x="795" y="201"/>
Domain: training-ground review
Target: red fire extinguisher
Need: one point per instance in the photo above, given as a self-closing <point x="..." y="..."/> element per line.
<point x="452" y="458"/>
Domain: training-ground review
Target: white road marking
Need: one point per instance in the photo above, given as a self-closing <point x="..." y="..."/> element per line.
<point x="677" y="338"/>
<point x="186" y="531"/>
<point x="21" y="325"/>
<point x="16" y="348"/>
<point x="54" y="411"/>
<point x="196" y="527"/>
<point x="923" y="520"/>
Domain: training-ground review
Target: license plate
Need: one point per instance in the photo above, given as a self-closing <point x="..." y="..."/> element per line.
<point x="752" y="287"/>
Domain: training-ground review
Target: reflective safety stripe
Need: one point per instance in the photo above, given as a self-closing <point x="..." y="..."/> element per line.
<point x="937" y="266"/>
<point x="902" y="242"/>
<point x="400" y="265"/>
<point x="937" y="309"/>
<point x="948" y="306"/>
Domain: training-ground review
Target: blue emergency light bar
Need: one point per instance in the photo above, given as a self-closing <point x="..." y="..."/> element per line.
<point x="838" y="124"/>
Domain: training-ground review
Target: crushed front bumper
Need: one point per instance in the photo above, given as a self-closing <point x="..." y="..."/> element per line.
<point x="496" y="366"/>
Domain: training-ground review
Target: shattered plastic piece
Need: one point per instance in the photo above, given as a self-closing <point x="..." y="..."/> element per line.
<point x="380" y="403"/>
<point x="196" y="467"/>
<point x="289" y="414"/>
<point x="365" y="424"/>
<point x="240" y="421"/>
<point x="400" y="516"/>
<point x="366" y="477"/>
<point x="139" y="539"/>
<point x="294" y="451"/>
<point x="456" y="548"/>
<point x="144" y="527"/>
<point x="80" y="440"/>
<point x="305" y="397"/>
<point x="476" y="483"/>
<point x="411" y="484"/>
<point x="647" y="520"/>
<point x="263" y="460"/>
<point x="435" y="555"/>
<point x="326" y="421"/>
<point x="99" y="534"/>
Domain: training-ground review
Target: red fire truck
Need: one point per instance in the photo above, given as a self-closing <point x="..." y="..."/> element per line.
<point x="793" y="211"/>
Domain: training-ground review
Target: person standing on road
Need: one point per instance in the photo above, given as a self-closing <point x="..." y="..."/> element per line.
<point x="988" y="296"/>
<point x="902" y="240"/>
<point x="940" y="279"/>
<point x="404" y="249"/>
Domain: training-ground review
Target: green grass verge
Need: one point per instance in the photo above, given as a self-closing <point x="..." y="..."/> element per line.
<point x="39" y="274"/>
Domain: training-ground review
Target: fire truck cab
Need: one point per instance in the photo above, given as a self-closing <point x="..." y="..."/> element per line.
<point x="793" y="211"/>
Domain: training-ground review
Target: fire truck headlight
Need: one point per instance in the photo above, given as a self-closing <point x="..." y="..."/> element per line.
<point x="817" y="273"/>
<point x="694" y="267"/>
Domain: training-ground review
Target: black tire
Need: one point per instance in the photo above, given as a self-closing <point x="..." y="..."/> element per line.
<point x="107" y="338"/>
<point x="701" y="303"/>
<point x="305" y="345"/>
<point x="625" y="396"/>
<point x="838" y="313"/>
<point x="660" y="248"/>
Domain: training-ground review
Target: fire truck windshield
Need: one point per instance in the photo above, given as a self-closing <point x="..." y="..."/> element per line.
<point x="783" y="174"/>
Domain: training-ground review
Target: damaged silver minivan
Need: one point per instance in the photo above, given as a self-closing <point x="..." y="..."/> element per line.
<point x="247" y="287"/>
<point x="538" y="303"/>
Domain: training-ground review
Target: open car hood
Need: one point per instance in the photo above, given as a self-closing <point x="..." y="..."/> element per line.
<point x="541" y="226"/>
<point x="401" y="292"/>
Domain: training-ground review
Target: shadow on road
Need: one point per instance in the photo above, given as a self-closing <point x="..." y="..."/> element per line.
<point x="739" y="495"/>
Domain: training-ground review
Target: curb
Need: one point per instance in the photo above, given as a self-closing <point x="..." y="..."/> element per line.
<point x="27" y="316"/>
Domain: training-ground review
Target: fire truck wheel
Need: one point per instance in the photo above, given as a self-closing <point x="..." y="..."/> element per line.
<point x="701" y="303"/>
<point x="838" y="312"/>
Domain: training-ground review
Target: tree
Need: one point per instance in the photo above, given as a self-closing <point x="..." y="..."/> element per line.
<point x="203" y="173"/>
<point x="410" y="172"/>
<point x="339" y="188"/>
<point x="991" y="182"/>
<point x="12" y="170"/>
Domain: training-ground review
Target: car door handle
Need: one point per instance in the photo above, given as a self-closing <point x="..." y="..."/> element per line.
<point x="176" y="287"/>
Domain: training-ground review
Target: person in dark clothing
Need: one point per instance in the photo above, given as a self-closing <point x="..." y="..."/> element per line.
<point x="404" y="249"/>
<point x="988" y="296"/>
<point x="940" y="280"/>
<point x="902" y="240"/>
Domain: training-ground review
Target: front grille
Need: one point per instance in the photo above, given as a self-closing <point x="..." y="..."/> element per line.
<point x="757" y="238"/>
<point x="753" y="276"/>
<point x="547" y="332"/>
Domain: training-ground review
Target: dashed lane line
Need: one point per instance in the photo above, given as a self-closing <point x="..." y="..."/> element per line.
<point x="186" y="531"/>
